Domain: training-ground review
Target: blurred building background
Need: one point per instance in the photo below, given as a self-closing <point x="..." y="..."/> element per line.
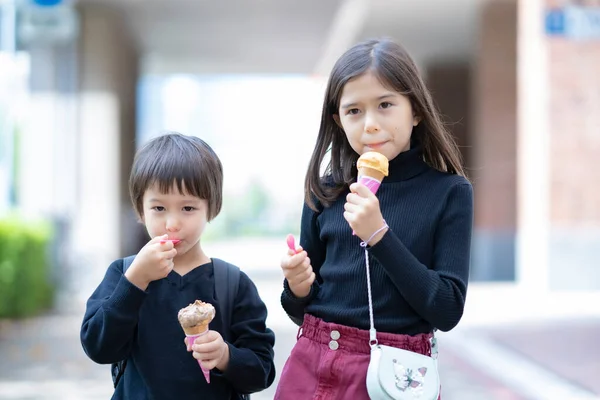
<point x="84" y="83"/>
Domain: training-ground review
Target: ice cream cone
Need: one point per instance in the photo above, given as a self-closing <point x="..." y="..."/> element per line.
<point x="371" y="173"/>
<point x="194" y="320"/>
<point x="196" y="330"/>
<point x="372" y="168"/>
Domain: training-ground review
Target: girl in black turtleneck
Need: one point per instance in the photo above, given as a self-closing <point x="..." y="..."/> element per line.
<point x="416" y="229"/>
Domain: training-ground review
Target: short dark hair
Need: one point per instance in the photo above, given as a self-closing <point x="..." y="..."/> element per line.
<point x="175" y="159"/>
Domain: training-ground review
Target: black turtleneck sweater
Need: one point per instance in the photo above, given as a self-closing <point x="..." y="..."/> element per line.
<point x="419" y="269"/>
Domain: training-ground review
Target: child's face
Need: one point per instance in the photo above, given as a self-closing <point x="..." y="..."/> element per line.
<point x="180" y="216"/>
<point x="374" y="118"/>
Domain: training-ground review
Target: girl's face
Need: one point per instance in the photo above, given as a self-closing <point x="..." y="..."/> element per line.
<point x="375" y="118"/>
<point x="181" y="216"/>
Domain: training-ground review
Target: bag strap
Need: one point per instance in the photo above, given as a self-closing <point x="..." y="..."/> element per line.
<point x="227" y="282"/>
<point x="372" y="332"/>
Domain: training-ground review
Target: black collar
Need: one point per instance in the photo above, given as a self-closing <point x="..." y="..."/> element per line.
<point x="407" y="165"/>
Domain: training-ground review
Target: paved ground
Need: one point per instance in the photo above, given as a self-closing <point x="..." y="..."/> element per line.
<point x="495" y="353"/>
<point x="42" y="359"/>
<point x="568" y="348"/>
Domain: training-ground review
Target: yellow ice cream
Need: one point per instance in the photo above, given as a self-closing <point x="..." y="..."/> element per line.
<point x="373" y="164"/>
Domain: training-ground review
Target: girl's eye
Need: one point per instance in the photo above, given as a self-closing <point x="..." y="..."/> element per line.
<point x="158" y="208"/>
<point x="188" y="208"/>
<point x="386" y="104"/>
<point x="353" y="111"/>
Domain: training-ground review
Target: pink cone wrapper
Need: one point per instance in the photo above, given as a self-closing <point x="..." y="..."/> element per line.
<point x="372" y="183"/>
<point x="191" y="339"/>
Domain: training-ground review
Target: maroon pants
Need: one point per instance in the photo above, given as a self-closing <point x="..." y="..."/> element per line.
<point x="330" y="361"/>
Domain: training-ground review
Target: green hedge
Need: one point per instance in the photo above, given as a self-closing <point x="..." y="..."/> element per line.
<point x="26" y="287"/>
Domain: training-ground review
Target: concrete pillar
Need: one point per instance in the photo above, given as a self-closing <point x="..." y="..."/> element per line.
<point x="494" y="142"/>
<point x="47" y="156"/>
<point x="533" y="176"/>
<point x="46" y="152"/>
<point x="108" y="65"/>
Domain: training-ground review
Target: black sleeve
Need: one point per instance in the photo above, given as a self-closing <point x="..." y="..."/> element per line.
<point x="111" y="317"/>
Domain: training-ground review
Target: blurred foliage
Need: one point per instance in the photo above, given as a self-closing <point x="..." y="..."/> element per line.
<point x="250" y="215"/>
<point x="26" y="287"/>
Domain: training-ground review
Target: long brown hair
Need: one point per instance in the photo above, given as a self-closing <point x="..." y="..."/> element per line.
<point x="396" y="70"/>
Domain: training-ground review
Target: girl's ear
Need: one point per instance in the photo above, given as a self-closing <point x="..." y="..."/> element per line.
<point x="336" y="118"/>
<point x="416" y="120"/>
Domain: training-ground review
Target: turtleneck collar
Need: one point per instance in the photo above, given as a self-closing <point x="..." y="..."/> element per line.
<point x="407" y="165"/>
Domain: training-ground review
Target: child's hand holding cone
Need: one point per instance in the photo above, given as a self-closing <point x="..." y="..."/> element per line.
<point x="208" y="346"/>
<point x="362" y="207"/>
<point x="210" y="350"/>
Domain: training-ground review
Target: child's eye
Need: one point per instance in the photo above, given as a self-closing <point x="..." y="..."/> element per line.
<point x="353" y="111"/>
<point x="386" y="104"/>
<point x="158" y="208"/>
<point x="188" y="208"/>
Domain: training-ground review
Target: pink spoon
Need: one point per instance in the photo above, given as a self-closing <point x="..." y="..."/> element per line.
<point x="175" y="241"/>
<point x="291" y="243"/>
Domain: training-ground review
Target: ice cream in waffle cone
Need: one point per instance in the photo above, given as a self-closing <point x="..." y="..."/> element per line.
<point x="194" y="320"/>
<point x="372" y="168"/>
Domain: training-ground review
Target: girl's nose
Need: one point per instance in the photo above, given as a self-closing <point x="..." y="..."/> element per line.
<point x="371" y="125"/>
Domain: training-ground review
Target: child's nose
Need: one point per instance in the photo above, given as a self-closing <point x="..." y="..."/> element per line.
<point x="172" y="225"/>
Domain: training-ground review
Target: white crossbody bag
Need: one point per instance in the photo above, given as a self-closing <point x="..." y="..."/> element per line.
<point x="397" y="374"/>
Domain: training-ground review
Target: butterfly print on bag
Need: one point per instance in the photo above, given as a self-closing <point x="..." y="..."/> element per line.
<point x="407" y="379"/>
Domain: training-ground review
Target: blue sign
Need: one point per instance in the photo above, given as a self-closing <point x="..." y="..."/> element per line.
<point x="555" y="22"/>
<point x="574" y="22"/>
<point x="46" y="3"/>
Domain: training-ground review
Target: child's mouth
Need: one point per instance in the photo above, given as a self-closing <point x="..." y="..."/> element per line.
<point x="175" y="241"/>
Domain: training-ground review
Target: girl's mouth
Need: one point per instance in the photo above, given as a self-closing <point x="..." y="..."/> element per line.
<point x="375" y="146"/>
